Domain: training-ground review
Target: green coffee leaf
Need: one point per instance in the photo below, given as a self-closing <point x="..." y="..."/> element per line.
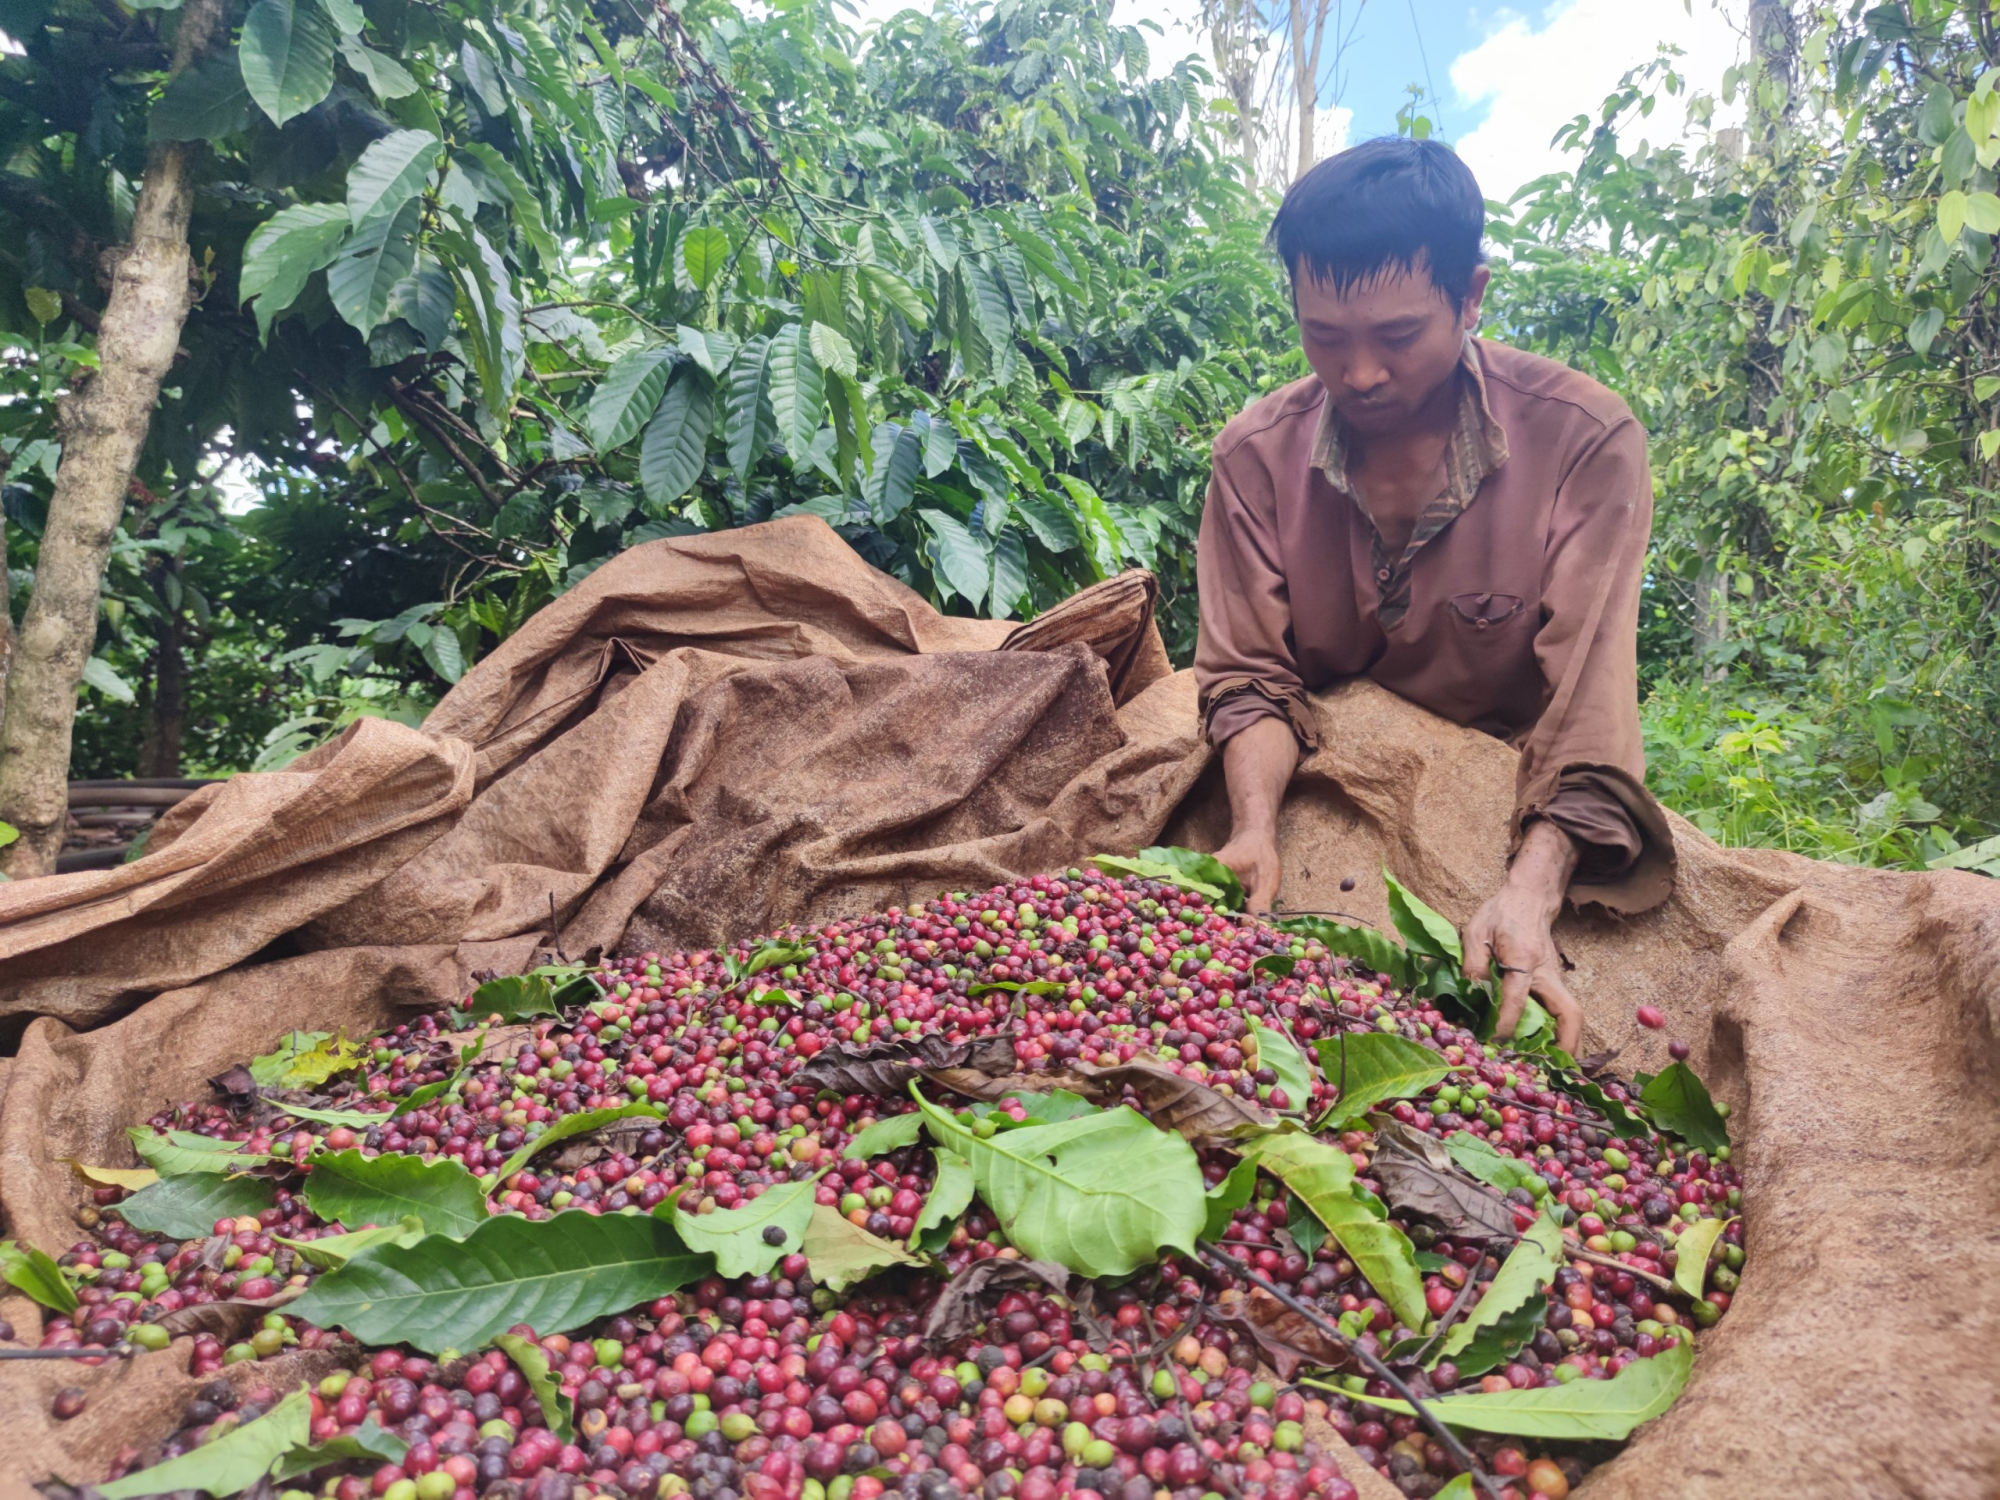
<point x="514" y="998"/>
<point x="1377" y="1068"/>
<point x="675" y="450"/>
<point x="353" y="1119"/>
<point x="1681" y="1107"/>
<point x="366" y="1442"/>
<point x="891" y="1133"/>
<point x="841" y="1253"/>
<point x="1323" y="1178"/>
<point x="338" y="1249"/>
<point x="204" y="103"/>
<point x="179" y="1152"/>
<point x="1512" y="1307"/>
<point x="704" y="252"/>
<point x="235" y="1461"/>
<point x="1227" y="1196"/>
<point x="553" y="1274"/>
<point x="389" y="173"/>
<point x="1203" y="874"/>
<point x="736" y="1236"/>
<point x="1306" y="1231"/>
<point x="32" y="1273"/>
<point x="1582" y="1411"/>
<point x="624" y="400"/>
<point x="287" y="57"/>
<point x="1693" y="1248"/>
<point x="1472" y="1155"/>
<point x="348" y="1188"/>
<point x="1102" y="1194"/>
<point x="1363" y="944"/>
<point x="569" y="1127"/>
<point x="1277" y="1051"/>
<point x="798" y="388"/>
<point x="532" y="1360"/>
<point x="186" y="1208"/>
<point x="1424" y="931"/>
<point x="951" y="1195"/>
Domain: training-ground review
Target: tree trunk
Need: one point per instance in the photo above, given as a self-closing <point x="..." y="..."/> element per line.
<point x="1305" y="88"/>
<point x="103" y="426"/>
<point x="160" y="747"/>
<point x="1308" y="22"/>
<point x="6" y="622"/>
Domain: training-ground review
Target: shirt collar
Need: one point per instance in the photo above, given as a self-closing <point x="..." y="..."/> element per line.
<point x="1478" y="445"/>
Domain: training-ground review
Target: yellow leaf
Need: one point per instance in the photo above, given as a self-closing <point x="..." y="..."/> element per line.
<point x="129" y="1178"/>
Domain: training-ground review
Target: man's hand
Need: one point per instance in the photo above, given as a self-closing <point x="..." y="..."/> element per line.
<point x="1257" y="763"/>
<point x="1253" y="855"/>
<point x="1510" y="933"/>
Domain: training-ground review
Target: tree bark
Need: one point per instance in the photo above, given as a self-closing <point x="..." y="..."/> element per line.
<point x="1308" y="20"/>
<point x="103" y="423"/>
<point x="166" y="716"/>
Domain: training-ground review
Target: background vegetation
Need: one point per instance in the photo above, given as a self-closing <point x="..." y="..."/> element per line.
<point x="488" y="293"/>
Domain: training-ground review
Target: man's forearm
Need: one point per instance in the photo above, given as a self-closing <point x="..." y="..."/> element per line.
<point x="1543" y="864"/>
<point x="1257" y="764"/>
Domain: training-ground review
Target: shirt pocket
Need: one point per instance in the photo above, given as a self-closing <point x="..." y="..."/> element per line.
<point x="1485" y="617"/>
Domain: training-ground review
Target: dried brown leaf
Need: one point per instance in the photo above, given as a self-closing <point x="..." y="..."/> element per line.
<point x="887" y="1067"/>
<point x="1417" y="1177"/>
<point x="620" y="1135"/>
<point x="957" y="1313"/>
<point x="236" y="1082"/>
<point x="1289" y="1340"/>
<point x="1205" y="1116"/>
<point x="229" y="1320"/>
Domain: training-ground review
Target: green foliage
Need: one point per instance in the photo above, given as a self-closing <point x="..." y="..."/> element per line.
<point x="1322" y="1178"/>
<point x="553" y="1274"/>
<point x="1103" y="1193"/>
<point x="1582" y="1411"/>
<point x="569" y="1127"/>
<point x="234" y="1461"/>
<point x="33" y="1273"/>
<point x="1510" y="1310"/>
<point x="176" y="1153"/>
<point x="737" y="1237"/>
<point x="186" y="1208"/>
<point x="348" y="1188"/>
<point x="1376" y="1068"/>
<point x="1800" y="314"/>
<point x="1679" y="1105"/>
<point x="533" y="1362"/>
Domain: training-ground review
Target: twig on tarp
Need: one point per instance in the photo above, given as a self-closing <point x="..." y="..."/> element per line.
<point x="1373" y="1363"/>
<point x="116" y="1351"/>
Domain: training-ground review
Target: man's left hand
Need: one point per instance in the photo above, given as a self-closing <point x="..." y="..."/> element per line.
<point x="1510" y="934"/>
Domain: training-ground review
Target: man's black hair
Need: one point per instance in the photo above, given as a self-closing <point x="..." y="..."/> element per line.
<point x="1391" y="204"/>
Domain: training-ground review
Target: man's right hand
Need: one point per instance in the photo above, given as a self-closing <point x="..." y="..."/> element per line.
<point x="1257" y="764"/>
<point x="1253" y="855"/>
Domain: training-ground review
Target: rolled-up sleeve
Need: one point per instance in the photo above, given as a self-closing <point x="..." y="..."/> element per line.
<point x="1583" y="764"/>
<point x="1244" y="662"/>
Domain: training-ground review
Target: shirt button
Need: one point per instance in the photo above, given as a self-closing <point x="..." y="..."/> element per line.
<point x="1481" y="624"/>
<point x="1382" y="574"/>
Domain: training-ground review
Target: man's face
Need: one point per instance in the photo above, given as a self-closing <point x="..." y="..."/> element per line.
<point x="1384" y="346"/>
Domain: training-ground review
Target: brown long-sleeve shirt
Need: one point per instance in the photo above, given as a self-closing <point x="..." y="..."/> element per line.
<point x="1514" y="608"/>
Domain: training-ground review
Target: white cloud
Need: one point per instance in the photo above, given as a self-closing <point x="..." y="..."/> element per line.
<point x="1536" y="77"/>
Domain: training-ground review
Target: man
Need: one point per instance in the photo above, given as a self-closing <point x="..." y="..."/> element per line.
<point x="1463" y="523"/>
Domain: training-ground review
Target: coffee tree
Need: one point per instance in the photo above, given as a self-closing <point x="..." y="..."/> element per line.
<point x="484" y="298"/>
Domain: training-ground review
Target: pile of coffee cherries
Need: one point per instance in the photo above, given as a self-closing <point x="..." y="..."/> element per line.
<point x="772" y="1387"/>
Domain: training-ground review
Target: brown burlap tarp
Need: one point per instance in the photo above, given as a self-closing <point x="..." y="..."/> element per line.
<point x="715" y="735"/>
